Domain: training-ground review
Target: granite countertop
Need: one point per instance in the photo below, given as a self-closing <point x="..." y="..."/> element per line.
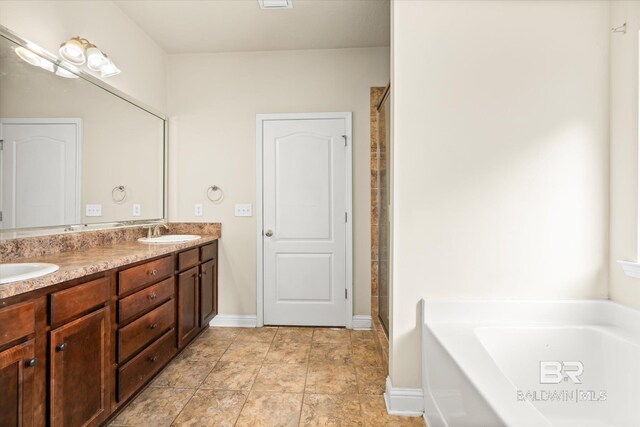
<point x="94" y="260"/>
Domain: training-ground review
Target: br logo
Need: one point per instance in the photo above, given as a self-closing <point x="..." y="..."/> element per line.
<point x="555" y="371"/>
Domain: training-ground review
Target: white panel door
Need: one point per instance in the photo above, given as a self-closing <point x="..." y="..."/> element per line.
<point x="40" y="172"/>
<point x="304" y="204"/>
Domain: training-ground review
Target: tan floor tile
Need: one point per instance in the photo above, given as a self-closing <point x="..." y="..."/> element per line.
<point x="212" y="408"/>
<point x="331" y="379"/>
<point x="226" y="334"/>
<point x="206" y="349"/>
<point x="232" y="376"/>
<point x="257" y="334"/>
<point x="330" y="352"/>
<point x="154" y="407"/>
<point x="363" y="337"/>
<point x="331" y="335"/>
<point x="243" y="351"/>
<point x="282" y="377"/>
<point x="330" y="410"/>
<point x="366" y="355"/>
<point x="294" y="334"/>
<point x="183" y="373"/>
<point x="371" y="380"/>
<point x="288" y="352"/>
<point x="375" y="414"/>
<point x="266" y="409"/>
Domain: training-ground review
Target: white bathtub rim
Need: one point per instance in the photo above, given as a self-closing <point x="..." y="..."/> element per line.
<point x="457" y="334"/>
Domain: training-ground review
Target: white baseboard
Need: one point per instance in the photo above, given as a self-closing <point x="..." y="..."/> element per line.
<point x="234" y="320"/>
<point x="362" y="323"/>
<point x="408" y="402"/>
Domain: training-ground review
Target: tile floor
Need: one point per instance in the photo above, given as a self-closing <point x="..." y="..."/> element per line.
<point x="269" y="377"/>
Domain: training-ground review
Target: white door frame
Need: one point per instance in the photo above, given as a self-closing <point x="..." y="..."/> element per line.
<point x="260" y="119"/>
<point x="48" y="121"/>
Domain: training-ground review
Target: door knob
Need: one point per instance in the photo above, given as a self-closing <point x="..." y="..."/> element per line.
<point x="268" y="233"/>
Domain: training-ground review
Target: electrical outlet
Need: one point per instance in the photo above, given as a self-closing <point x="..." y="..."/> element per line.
<point x="243" y="209"/>
<point x="136" y="209"/>
<point x="197" y="209"/>
<point x="93" y="210"/>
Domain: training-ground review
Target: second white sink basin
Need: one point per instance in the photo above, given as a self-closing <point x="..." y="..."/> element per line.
<point x="24" y="270"/>
<point x="169" y="238"/>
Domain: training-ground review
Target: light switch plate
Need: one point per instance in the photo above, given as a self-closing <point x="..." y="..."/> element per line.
<point x="93" y="210"/>
<point x="197" y="209"/>
<point x="137" y="210"/>
<point x="243" y="209"/>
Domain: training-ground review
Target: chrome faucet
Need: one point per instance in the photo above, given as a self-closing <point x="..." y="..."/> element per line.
<point x="154" y="230"/>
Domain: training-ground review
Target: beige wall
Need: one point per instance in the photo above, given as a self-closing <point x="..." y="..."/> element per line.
<point x="49" y="23"/>
<point x="213" y="101"/>
<point x="501" y="156"/>
<point x="624" y="150"/>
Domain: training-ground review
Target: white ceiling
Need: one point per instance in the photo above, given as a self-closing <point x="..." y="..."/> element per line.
<point x="187" y="26"/>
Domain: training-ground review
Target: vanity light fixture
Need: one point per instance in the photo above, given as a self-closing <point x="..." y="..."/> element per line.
<point x="78" y="50"/>
<point x="276" y="4"/>
<point x="63" y="72"/>
<point x="33" y="58"/>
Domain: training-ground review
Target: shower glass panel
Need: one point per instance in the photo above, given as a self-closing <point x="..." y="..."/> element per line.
<point x="384" y="205"/>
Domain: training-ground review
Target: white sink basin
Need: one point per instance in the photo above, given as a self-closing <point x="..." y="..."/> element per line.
<point x="168" y="239"/>
<point x="25" y="270"/>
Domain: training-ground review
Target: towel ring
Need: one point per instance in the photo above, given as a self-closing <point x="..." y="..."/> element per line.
<point x="119" y="194"/>
<point x="211" y="194"/>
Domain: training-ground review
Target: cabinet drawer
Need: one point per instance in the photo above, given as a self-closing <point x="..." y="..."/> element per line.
<point x="17" y="321"/>
<point x="78" y="299"/>
<point x="209" y="251"/>
<point x="137" y="277"/>
<point x="138" y="333"/>
<point x="188" y="259"/>
<point x="139" y="369"/>
<point x="144" y="299"/>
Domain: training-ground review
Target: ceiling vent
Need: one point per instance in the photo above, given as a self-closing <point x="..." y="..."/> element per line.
<point x="275" y="4"/>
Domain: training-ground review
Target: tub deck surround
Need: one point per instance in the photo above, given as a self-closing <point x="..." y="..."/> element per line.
<point x="86" y="253"/>
<point x="489" y="351"/>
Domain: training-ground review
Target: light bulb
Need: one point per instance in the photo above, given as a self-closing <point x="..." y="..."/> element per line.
<point x="95" y="59"/>
<point x="28" y="56"/>
<point x="63" y="72"/>
<point x="73" y="51"/>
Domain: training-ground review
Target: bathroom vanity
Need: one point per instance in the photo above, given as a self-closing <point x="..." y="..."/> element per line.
<point x="73" y="353"/>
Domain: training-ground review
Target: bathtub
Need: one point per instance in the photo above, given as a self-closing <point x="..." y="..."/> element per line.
<point x="530" y="363"/>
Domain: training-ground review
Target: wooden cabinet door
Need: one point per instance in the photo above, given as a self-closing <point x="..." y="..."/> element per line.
<point x="16" y="385"/>
<point x="208" y="292"/>
<point x="79" y="354"/>
<point x="188" y="316"/>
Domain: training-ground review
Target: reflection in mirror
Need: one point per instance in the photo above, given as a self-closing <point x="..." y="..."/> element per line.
<point x="73" y="152"/>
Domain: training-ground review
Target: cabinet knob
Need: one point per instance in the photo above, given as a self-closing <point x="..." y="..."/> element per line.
<point x="61" y="347"/>
<point x="154" y="272"/>
<point x="204" y="273"/>
<point x="31" y="362"/>
<point x="153" y="296"/>
<point x="152" y="359"/>
<point x="153" y="326"/>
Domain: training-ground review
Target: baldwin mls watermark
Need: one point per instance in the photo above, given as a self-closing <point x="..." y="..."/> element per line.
<point x="557" y="372"/>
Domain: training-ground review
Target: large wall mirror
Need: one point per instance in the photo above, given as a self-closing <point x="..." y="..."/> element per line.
<point x="74" y="150"/>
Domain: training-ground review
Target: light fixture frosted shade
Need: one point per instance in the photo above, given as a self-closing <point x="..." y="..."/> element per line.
<point x="95" y="59"/>
<point x="28" y="56"/>
<point x="73" y="51"/>
<point x="63" y="72"/>
<point x="109" y="69"/>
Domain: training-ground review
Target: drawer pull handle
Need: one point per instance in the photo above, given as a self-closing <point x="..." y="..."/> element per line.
<point x="153" y="326"/>
<point x="31" y="362"/>
<point x="153" y="296"/>
<point x="152" y="359"/>
<point x="61" y="347"/>
<point x="154" y="272"/>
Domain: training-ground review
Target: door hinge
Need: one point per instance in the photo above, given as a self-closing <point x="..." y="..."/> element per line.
<point x="345" y="217"/>
<point x="1" y="144"/>
<point x="345" y="140"/>
<point x="0" y="216"/>
<point x="345" y="293"/>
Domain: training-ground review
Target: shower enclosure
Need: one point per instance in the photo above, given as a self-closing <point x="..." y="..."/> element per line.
<point x="383" y="206"/>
